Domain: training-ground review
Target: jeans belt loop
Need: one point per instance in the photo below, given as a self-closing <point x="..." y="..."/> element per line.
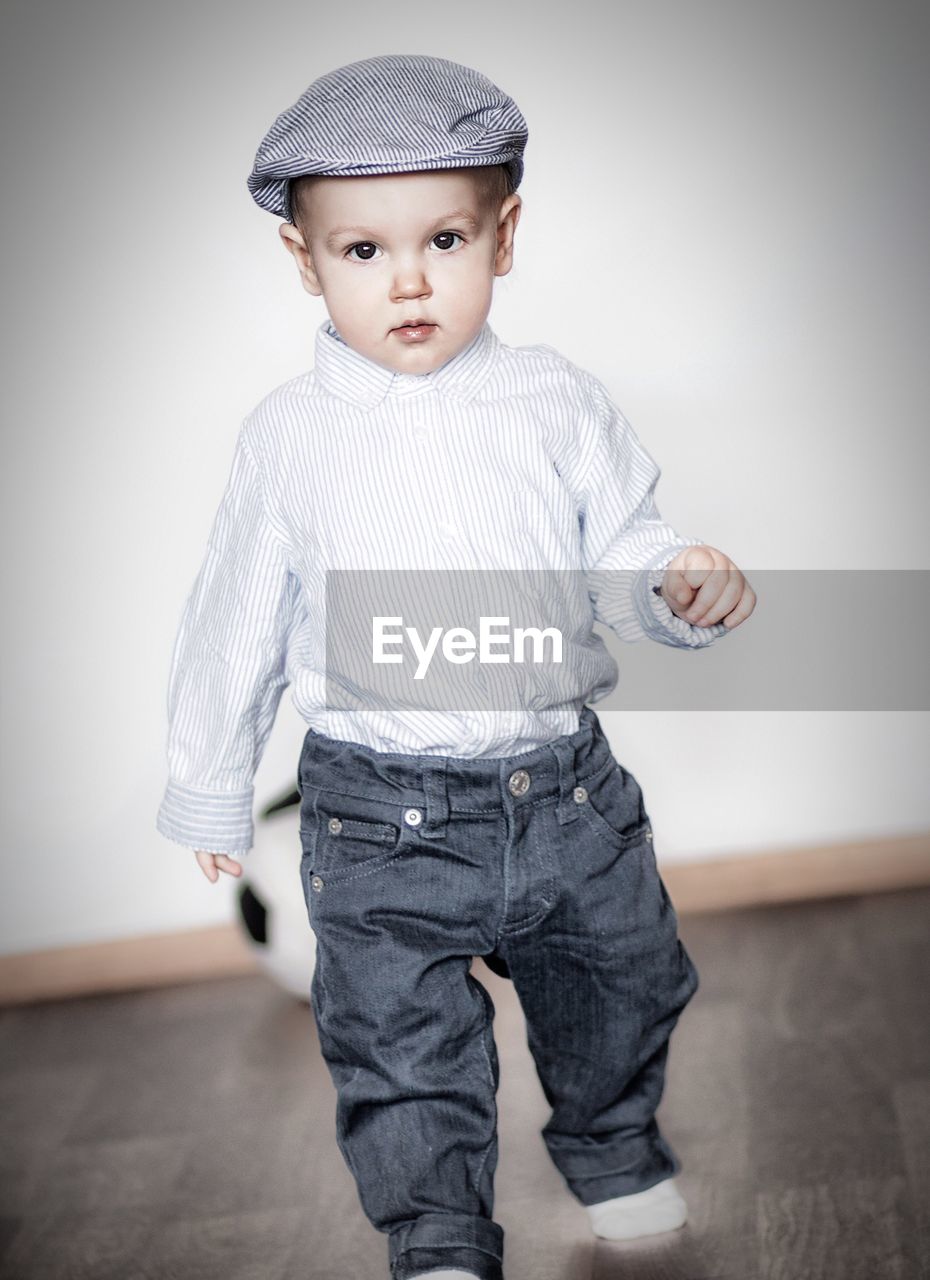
<point x="437" y="799"/>
<point x="567" y="807"/>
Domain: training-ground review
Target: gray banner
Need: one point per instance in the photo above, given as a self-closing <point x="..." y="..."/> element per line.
<point x="818" y="640"/>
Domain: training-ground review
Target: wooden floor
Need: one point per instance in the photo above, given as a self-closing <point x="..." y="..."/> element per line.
<point x="189" y="1132"/>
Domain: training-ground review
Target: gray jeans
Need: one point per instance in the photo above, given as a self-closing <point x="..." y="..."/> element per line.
<point x="543" y="863"/>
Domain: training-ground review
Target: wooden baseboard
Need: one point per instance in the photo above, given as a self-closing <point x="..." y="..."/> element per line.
<point x="793" y="875"/>
<point x="125" y="964"/>
<point x="717" y="884"/>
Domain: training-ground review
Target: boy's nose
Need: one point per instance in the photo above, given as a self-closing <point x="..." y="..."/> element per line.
<point x="410" y="282"/>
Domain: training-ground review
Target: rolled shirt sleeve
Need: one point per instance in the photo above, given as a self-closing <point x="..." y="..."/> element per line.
<point x="626" y="545"/>
<point x="228" y="669"/>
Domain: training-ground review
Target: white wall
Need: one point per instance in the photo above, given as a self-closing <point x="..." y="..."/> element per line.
<point x="725" y="219"/>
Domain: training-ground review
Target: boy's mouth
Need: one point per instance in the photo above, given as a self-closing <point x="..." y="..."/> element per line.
<point x="414" y="330"/>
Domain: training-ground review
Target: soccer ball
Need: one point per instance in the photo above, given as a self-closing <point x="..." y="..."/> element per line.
<point x="270" y="905"/>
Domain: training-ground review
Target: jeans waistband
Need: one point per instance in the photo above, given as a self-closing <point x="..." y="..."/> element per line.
<point x="443" y="785"/>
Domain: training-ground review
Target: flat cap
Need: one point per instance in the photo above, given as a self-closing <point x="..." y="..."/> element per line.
<point x="397" y="113"/>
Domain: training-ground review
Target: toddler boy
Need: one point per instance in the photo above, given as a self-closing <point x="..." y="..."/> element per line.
<point x="431" y="834"/>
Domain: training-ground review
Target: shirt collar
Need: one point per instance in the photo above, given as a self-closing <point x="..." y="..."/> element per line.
<point x="343" y="372"/>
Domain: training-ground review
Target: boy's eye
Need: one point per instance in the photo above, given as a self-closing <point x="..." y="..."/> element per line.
<point x="366" y="251"/>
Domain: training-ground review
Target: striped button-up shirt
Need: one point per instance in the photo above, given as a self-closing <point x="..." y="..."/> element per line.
<point x="503" y="458"/>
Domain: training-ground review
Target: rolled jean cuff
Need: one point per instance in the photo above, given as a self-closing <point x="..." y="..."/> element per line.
<point x="453" y="1241"/>
<point x="638" y="1165"/>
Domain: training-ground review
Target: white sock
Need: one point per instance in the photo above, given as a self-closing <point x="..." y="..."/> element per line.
<point x="445" y="1275"/>
<point x="644" y="1213"/>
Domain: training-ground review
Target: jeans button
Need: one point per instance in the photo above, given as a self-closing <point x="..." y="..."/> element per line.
<point x="413" y="817"/>
<point x="519" y="782"/>
<point x="335" y="826"/>
<point x="580" y="794"/>
<point x="316" y="883"/>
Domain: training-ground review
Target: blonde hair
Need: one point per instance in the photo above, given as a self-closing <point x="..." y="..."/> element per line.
<point x="493" y="184"/>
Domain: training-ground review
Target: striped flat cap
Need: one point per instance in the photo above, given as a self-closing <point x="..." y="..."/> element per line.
<point x="397" y="113"/>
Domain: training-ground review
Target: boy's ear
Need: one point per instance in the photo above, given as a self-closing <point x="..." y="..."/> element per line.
<point x="507" y="220"/>
<point x="294" y="243"/>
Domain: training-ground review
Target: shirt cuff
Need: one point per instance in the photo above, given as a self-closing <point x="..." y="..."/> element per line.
<point x="657" y="619"/>
<point x="211" y="821"/>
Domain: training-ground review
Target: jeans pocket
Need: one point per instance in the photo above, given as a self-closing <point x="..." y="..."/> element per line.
<point x="614" y="809"/>
<point x="353" y="837"/>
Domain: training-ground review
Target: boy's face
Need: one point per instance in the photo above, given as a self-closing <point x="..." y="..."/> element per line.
<point x="391" y="249"/>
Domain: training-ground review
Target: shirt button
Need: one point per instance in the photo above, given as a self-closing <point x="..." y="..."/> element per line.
<point x="580" y="795"/>
<point x="335" y="826"/>
<point x="448" y="530"/>
<point x="413" y="817"/>
<point x="317" y="883"/>
<point x="519" y="782"/>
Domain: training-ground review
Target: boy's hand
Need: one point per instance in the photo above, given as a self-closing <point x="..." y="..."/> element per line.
<point x="704" y="586"/>
<point x="211" y="864"/>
